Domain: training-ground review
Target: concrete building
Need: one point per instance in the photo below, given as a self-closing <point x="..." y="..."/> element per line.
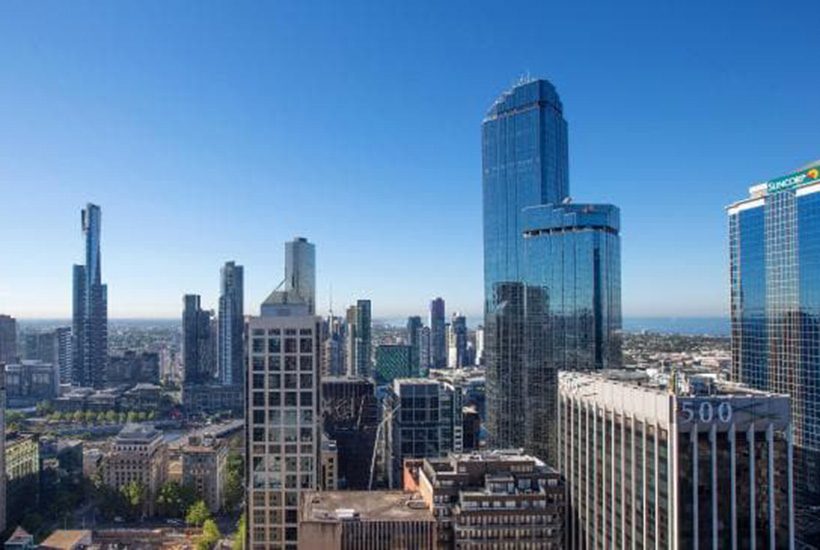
<point x="457" y="342"/>
<point x="22" y="467"/>
<point x="330" y="464"/>
<point x="29" y="382"/>
<point x="366" y="520"/>
<point x="204" y="466"/>
<point x="138" y="453"/>
<point x="282" y="418"/>
<point x="494" y="500"/>
<point x="674" y="461"/>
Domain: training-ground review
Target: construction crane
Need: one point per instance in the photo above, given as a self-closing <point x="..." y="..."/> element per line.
<point x="388" y="416"/>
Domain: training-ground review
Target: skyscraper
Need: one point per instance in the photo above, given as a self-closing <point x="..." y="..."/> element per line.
<point x="65" y="355"/>
<point x="551" y="270"/>
<point x="438" y="335"/>
<point x="774" y="272"/>
<point x="300" y="270"/>
<point x="363" y="339"/>
<point x="8" y="339"/>
<point x="90" y="322"/>
<point x="414" y="327"/>
<point x="231" y="321"/>
<point x="457" y="352"/>
<point x="198" y="342"/>
<point x="282" y="418"/>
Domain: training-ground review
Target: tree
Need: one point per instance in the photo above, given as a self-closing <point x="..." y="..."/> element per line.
<point x="174" y="499"/>
<point x="234" y="486"/>
<point x="123" y="418"/>
<point x="90" y="417"/>
<point x="43" y="408"/>
<point x="100" y="417"/>
<point x="141" y="416"/>
<point x="134" y="493"/>
<point x="132" y="417"/>
<point x="111" y="417"/>
<point x="239" y="537"/>
<point x="78" y="416"/>
<point x="152" y="415"/>
<point x="198" y="513"/>
<point x="210" y="535"/>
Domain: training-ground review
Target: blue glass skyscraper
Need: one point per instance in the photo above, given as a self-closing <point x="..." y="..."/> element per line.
<point x="551" y="269"/>
<point x="774" y="249"/>
<point x="90" y="319"/>
<point x="231" y="325"/>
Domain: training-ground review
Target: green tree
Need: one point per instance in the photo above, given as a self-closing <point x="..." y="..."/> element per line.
<point x="152" y="415"/>
<point x="111" y="417"/>
<point x="43" y="408"/>
<point x="141" y="416"/>
<point x="210" y="535"/>
<point x="134" y="493"/>
<point x="239" y="537"/>
<point x="132" y="416"/>
<point x="234" y="486"/>
<point x="100" y="417"/>
<point x="123" y="417"/>
<point x="78" y="416"/>
<point x="198" y="513"/>
<point x="90" y="417"/>
<point x="174" y="499"/>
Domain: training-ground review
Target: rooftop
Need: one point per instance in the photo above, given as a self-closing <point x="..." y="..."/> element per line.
<point x="138" y="432"/>
<point x="65" y="540"/>
<point x="334" y="506"/>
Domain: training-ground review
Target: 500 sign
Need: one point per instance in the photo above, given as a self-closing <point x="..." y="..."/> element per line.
<point x="706" y="412"/>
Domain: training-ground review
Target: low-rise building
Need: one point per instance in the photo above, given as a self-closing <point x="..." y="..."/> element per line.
<point x="63" y="539"/>
<point x="204" y="466"/>
<point x="494" y="500"/>
<point x="138" y="453"/>
<point x="211" y="398"/>
<point x="22" y="457"/>
<point x="366" y="520"/>
<point x="330" y="464"/>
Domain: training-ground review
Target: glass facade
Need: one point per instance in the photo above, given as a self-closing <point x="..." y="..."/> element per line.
<point x="90" y="319"/>
<point x="300" y="271"/>
<point x="774" y="243"/>
<point x="231" y="325"/>
<point x="551" y="269"/>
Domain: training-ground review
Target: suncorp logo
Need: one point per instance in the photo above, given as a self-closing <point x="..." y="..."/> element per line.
<point x="790" y="182"/>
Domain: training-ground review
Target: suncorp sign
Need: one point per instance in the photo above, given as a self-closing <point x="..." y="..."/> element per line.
<point x="793" y="180"/>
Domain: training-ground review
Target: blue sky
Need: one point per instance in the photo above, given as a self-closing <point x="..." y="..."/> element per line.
<point x="211" y="131"/>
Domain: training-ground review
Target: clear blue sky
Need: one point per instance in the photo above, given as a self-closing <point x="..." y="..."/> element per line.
<point x="211" y="131"/>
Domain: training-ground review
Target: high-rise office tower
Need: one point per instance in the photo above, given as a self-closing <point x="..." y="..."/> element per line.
<point x="438" y="335"/>
<point x="479" y="345"/>
<point x="413" y="337"/>
<point x="65" y="355"/>
<point x="333" y="346"/>
<point x="363" y="339"/>
<point x="231" y="322"/>
<point x="424" y="422"/>
<point x="90" y="322"/>
<point x="774" y="273"/>
<point x="300" y="270"/>
<point x="424" y="348"/>
<point x="282" y="419"/>
<point x="674" y="460"/>
<point x="551" y="269"/>
<point x="198" y="342"/>
<point x="350" y="340"/>
<point x="8" y="339"/>
<point x="457" y="340"/>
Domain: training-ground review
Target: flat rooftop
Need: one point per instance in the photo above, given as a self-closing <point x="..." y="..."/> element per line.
<point x="335" y="506"/>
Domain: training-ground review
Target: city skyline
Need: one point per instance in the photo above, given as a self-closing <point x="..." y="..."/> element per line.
<point x="169" y="140"/>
